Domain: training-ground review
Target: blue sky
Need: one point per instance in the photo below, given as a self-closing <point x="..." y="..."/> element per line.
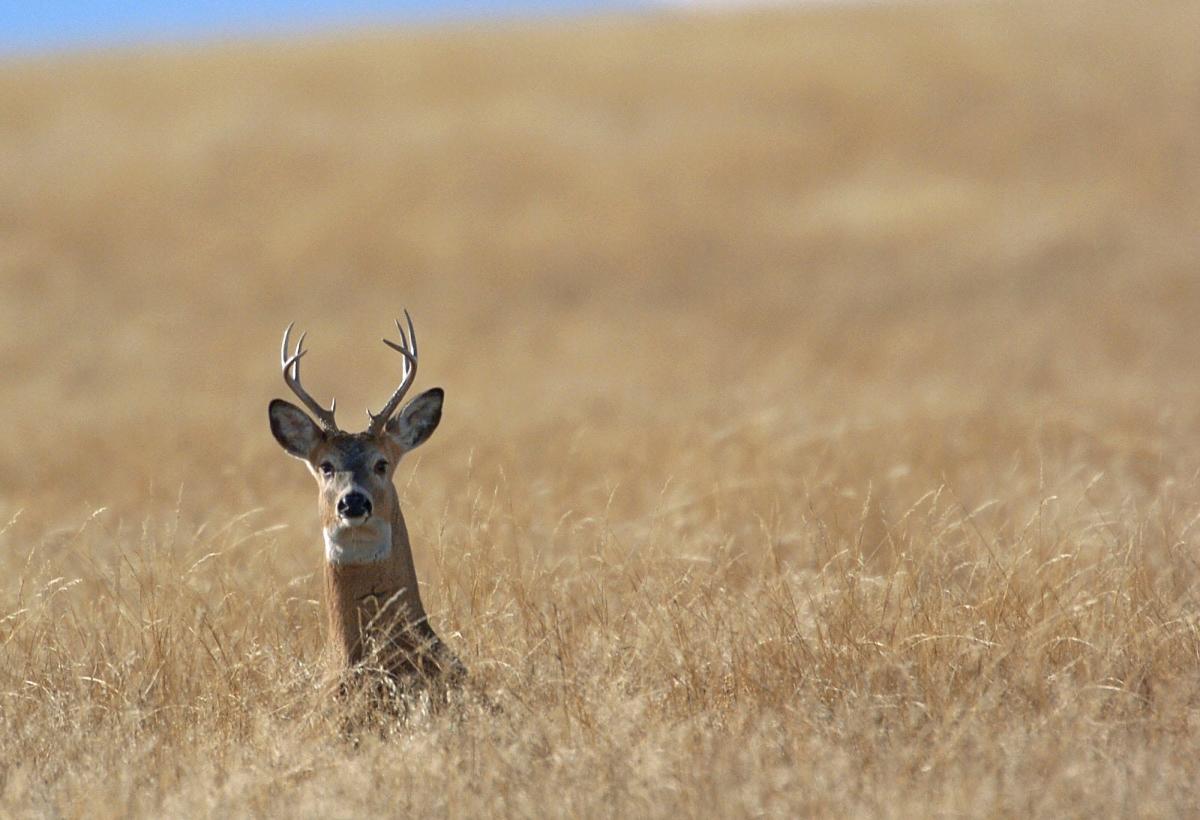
<point x="41" y="25"/>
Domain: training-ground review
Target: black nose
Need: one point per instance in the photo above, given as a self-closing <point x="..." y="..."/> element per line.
<point x="354" y="505"/>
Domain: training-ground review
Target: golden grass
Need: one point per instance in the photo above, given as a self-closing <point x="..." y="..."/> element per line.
<point x="822" y="430"/>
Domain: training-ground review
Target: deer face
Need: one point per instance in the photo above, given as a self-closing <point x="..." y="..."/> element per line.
<point x="357" y="499"/>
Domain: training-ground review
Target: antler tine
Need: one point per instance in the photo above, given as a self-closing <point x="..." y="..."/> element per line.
<point x="291" y="375"/>
<point x="408" y="349"/>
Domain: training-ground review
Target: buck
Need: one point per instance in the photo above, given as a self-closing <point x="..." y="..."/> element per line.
<point x="376" y="618"/>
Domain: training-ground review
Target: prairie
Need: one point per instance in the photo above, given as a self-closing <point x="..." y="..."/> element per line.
<point x="822" y="431"/>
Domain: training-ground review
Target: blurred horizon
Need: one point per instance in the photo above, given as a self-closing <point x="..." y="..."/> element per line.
<point x="67" y="25"/>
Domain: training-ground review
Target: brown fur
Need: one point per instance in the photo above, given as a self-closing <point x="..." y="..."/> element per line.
<point x="376" y="618"/>
<point x="376" y="615"/>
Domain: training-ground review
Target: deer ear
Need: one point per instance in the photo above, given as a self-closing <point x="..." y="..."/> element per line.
<point x="413" y="425"/>
<point x="293" y="429"/>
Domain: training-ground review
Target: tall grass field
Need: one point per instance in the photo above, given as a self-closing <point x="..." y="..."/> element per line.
<point x="822" y="425"/>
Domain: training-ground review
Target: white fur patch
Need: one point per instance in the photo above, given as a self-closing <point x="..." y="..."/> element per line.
<point x="358" y="545"/>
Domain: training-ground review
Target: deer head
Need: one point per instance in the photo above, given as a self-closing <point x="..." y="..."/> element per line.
<point x="357" y="501"/>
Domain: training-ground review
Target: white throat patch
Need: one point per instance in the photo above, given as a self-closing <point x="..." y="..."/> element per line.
<point x="356" y="545"/>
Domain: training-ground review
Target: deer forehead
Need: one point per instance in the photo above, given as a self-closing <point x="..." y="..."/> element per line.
<point x="350" y="452"/>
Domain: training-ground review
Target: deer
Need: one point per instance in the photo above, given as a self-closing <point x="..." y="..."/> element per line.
<point x="375" y="616"/>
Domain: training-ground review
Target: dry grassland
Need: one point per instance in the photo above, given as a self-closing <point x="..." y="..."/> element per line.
<point x="822" y="430"/>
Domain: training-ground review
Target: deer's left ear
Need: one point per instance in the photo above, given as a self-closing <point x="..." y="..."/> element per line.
<point x="413" y="425"/>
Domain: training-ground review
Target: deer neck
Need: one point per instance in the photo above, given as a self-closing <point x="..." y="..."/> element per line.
<point x="371" y="590"/>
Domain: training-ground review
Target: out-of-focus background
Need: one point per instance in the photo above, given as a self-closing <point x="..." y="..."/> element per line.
<point x="822" y="422"/>
<point x="57" y="25"/>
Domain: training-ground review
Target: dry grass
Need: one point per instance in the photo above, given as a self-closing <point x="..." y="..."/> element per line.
<point x="822" y="432"/>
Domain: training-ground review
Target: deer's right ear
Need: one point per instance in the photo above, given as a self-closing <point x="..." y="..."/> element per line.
<point x="293" y="429"/>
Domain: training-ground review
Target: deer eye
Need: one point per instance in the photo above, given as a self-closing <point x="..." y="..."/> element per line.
<point x="381" y="466"/>
<point x="326" y="468"/>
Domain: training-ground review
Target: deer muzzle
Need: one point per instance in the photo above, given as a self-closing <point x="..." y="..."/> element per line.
<point x="354" y="507"/>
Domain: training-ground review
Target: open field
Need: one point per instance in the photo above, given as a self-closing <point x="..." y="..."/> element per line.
<point x="822" y="431"/>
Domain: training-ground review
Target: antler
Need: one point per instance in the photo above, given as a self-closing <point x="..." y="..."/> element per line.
<point x="291" y="375"/>
<point x="408" y="349"/>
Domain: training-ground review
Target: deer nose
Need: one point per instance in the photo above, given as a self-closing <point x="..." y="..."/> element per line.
<point x="354" y="505"/>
